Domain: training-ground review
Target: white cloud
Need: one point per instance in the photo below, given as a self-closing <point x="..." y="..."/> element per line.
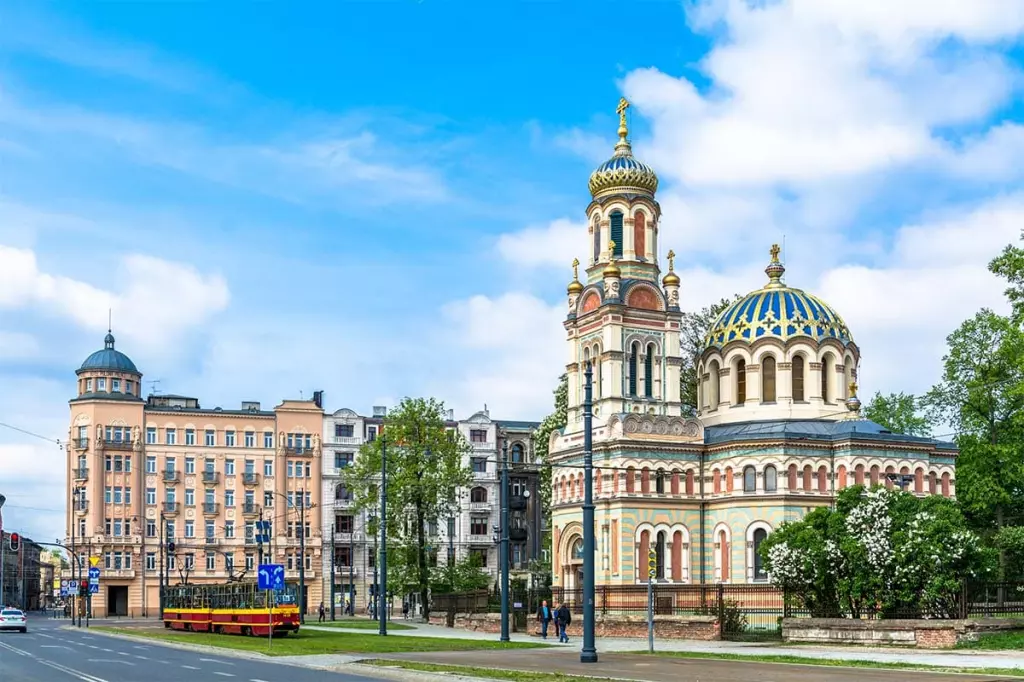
<point x="551" y="245"/>
<point x="157" y="302"/>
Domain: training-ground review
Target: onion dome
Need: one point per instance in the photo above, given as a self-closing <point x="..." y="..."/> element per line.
<point x="575" y="286"/>
<point x="777" y="311"/>
<point x="671" y="279"/>
<point x="109" y="359"/>
<point x="622" y="172"/>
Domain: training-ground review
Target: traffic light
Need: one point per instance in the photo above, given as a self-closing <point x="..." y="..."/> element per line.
<point x="14" y="542"/>
<point x="83" y="588"/>
<point x="652" y="564"/>
<point x="170" y="547"/>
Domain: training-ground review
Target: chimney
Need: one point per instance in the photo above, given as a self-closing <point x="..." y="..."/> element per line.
<point x="318" y="399"/>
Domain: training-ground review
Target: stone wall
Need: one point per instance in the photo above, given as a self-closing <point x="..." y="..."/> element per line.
<point x="665" y="627"/>
<point x="922" y="634"/>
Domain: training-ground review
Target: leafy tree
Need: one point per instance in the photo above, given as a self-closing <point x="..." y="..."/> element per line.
<point x="693" y="330"/>
<point x="465" y="575"/>
<point x="426" y="468"/>
<point x="1010" y="266"/>
<point x="897" y="412"/>
<point x="553" y="422"/>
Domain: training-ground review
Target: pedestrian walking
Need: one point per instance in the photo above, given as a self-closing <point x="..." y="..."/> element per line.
<point x="323" y="612"/>
<point x="545" y="616"/>
<point x="562" y="619"/>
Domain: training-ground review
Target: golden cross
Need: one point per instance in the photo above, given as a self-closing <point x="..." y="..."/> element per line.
<point x="853" y="388"/>
<point x="671" y="259"/>
<point x="623" y="105"/>
<point x="575" y="268"/>
<point x="774" y="251"/>
<point x="611" y="250"/>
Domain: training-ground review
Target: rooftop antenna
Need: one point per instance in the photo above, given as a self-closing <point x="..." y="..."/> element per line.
<point x="301" y="397"/>
<point x="154" y="386"/>
<point x="110" y="319"/>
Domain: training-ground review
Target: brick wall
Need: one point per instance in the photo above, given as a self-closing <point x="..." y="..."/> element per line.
<point x="922" y="634"/>
<point x="945" y="638"/>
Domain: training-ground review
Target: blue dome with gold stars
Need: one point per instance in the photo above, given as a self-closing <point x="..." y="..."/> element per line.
<point x="779" y="312"/>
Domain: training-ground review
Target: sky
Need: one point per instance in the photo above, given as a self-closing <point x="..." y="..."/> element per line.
<point x="383" y="199"/>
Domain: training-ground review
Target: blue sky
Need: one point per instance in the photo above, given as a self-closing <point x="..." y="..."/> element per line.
<point x="382" y="199"/>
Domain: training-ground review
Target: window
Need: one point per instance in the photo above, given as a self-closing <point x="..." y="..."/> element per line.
<point x="659" y="482"/>
<point x="118" y="528"/>
<point x="101" y="384"/>
<point x="190" y="562"/>
<point x="210" y="438"/>
<point x="640" y="235"/>
<point x="479" y="465"/>
<point x="150" y="529"/>
<point x="229" y="561"/>
<point x="115" y="385"/>
<point x="478" y="525"/>
<point x="478" y="495"/>
<point x="150" y="561"/>
<point x="250" y="466"/>
<point x="229" y="467"/>
<point x="151" y="462"/>
<point x="229" y="439"/>
<point x="127" y="464"/>
<point x="229" y="529"/>
<point x="250" y="498"/>
<point x="649" y="372"/>
<point x="190" y="465"/>
<point x="209" y="496"/>
<point x="190" y="497"/>
<point x="250" y="562"/>
<point x="478" y="436"/>
<point x="342" y="459"/>
<point x="268" y="467"/>
<point x="190" y="529"/>
<point x="88" y="385"/>
<point x="340" y="493"/>
<point x="371" y="433"/>
<point x="826" y="368"/>
<point x="749" y="479"/>
<point x="517" y="454"/>
<point x="211" y="561"/>
<point x="659" y="549"/>
<point x="250" y="439"/>
<point x="760" y="535"/>
<point x="343" y="430"/>
<point x="741" y="382"/>
<point x="190" y="436"/>
<point x="768" y="379"/>
<point x="150" y="435"/>
<point x="634" y="351"/>
<point x="596" y="229"/>
<point x="171" y="436"/>
<point x="129" y="387"/>
<point x="798" y="378"/>
<point x="268" y="440"/>
<point x="268" y="500"/>
<point x="107" y="527"/>
<point x="342" y="556"/>
<point x="229" y="498"/>
<point x="616" y="231"/>
<point x="343" y="523"/>
<point x="480" y="557"/>
<point x="771" y="479"/>
<point x="169" y="530"/>
<point x="291" y="469"/>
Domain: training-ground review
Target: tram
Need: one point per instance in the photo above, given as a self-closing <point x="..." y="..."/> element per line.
<point x="231" y="609"/>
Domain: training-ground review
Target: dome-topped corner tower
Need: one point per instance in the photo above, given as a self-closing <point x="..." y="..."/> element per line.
<point x="776" y="353"/>
<point x="623" y="216"/>
<point x="109" y="374"/>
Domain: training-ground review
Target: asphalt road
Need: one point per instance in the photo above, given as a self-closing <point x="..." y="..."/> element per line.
<point x="49" y="654"/>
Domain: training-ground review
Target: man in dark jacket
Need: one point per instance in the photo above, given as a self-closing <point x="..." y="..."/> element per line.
<point x="562" y="620"/>
<point x="545" y="616"/>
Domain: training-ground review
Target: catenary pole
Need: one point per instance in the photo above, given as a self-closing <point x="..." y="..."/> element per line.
<point x="589" y="652"/>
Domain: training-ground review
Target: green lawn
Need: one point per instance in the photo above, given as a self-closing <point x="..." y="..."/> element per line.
<point x="308" y="642"/>
<point x="360" y="624"/>
<point x="997" y="641"/>
<point x="488" y="673"/>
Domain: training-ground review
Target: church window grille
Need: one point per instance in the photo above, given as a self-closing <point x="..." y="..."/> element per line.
<point x="659" y="482"/>
<point x="660" y="550"/>
<point x="768" y="380"/>
<point x="760" y="535"/>
<point x="616" y="232"/>
<point x="649" y="372"/>
<point x="798" y="378"/>
<point x="597" y="241"/>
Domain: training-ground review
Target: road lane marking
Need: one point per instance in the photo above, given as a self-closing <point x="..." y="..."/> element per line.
<point x="43" y="634"/>
<point x="143" y="658"/>
<point x="85" y="677"/>
<point x="109" y="660"/>
<point x="189" y="667"/>
<point x="223" y="674"/>
<point x="123" y="653"/>
<point x="109" y="651"/>
<point x="214" y="660"/>
<point x="256" y="679"/>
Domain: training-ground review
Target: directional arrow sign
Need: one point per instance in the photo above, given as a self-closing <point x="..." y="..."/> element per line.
<point x="270" y="577"/>
<point x="94" y="573"/>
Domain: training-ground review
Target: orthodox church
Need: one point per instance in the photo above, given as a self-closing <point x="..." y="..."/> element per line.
<point x="778" y="431"/>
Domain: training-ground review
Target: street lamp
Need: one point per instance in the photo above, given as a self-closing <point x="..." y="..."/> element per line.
<point x="503" y="551"/>
<point x="589" y="651"/>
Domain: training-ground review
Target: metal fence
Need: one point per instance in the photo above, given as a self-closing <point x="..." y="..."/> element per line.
<point x="745" y="611"/>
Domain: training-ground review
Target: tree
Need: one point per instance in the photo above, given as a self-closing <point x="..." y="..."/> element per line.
<point x="465" y="575"/>
<point x="427" y="466"/>
<point x="1010" y="266"/>
<point x="541" y="439"/>
<point x="898" y="412"/>
<point x="693" y="331"/>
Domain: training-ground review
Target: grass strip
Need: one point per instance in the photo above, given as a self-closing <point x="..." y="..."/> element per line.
<point x="314" y="642"/>
<point x="360" y="624"/>
<point x="488" y="673"/>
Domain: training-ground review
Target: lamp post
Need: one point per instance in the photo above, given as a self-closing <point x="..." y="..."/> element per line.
<point x="382" y="590"/>
<point x="302" y="557"/>
<point x="503" y="547"/>
<point x="589" y="652"/>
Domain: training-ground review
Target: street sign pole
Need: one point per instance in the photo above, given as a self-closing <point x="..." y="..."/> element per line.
<point x="652" y="572"/>
<point x="270" y="618"/>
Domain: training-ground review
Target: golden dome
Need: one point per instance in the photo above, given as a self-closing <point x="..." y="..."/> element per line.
<point x="611" y="270"/>
<point x="575" y="286"/>
<point x="622" y="172"/>
<point x="671" y="279"/>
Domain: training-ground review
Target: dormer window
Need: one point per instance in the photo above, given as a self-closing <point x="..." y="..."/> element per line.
<point x="115" y="385"/>
<point x="88" y="385"/>
<point x="101" y="384"/>
<point x="129" y="387"/>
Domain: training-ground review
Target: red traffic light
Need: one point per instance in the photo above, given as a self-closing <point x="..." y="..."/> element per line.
<point x="14" y="541"/>
<point x="85" y="584"/>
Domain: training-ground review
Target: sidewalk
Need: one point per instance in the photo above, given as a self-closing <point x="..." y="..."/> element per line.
<point x="942" y="658"/>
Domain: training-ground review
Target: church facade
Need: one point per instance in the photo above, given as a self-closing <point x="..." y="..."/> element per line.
<point x="778" y="431"/>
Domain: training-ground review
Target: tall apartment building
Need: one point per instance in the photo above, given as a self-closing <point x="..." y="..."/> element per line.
<point x="471" y="531"/>
<point x="142" y="472"/>
<point x="21" y="574"/>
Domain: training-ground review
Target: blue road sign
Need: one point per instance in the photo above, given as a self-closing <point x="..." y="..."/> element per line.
<point x="263" y="532"/>
<point x="94" y="588"/>
<point x="94" y="573"/>
<point x="270" y="577"/>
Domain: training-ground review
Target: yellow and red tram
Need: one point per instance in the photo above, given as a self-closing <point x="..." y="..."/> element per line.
<point x="232" y="609"/>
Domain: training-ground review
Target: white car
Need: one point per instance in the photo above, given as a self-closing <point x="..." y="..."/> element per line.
<point x="13" y="619"/>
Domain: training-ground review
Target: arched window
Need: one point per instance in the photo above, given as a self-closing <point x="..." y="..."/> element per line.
<point x="577" y="549"/>
<point x="791" y="477"/>
<point x="616" y="232"/>
<point x="517" y="453"/>
<point x="649" y="371"/>
<point x="760" y="535"/>
<point x="342" y="493"/>
<point x="822" y="480"/>
<point x="713" y="385"/>
<point x="945" y="484"/>
<point x="659" y="482"/>
<point x="675" y="483"/>
<point x="768" y="379"/>
<point x="771" y="479"/>
<point x="660" y="551"/>
<point x="690" y="482"/>
<point x="749" y="479"/>
<point x="826" y="369"/>
<point x="645" y="480"/>
<point x="808" y="473"/>
<point x="634" y="351"/>
<point x="741" y="382"/>
<point x="597" y="240"/>
<point x="640" y="234"/>
<point x="630" y="479"/>
<point x="798" y="378"/>
<point x="478" y="495"/>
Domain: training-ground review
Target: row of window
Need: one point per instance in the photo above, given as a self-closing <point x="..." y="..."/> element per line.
<point x="769" y="393"/>
<point x="128" y="387"/>
<point x="187" y="561"/>
<point x="123" y="495"/>
<point x="122" y="434"/>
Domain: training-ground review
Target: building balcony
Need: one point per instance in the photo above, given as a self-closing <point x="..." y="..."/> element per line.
<point x="483" y="476"/>
<point x="480" y="540"/>
<point x="344" y="539"/>
<point x="210" y="540"/>
<point x="293" y="574"/>
<point x="82" y="506"/>
<point x="486" y="445"/>
<point x="81" y="473"/>
<point x="517" y="534"/>
<point x="211" y="508"/>
<point x="298" y="451"/>
<point x="346" y="440"/>
<point x="121" y="539"/>
<point x="250" y="509"/>
<point x="517" y="502"/>
<point x="171" y="476"/>
<point x="171" y="507"/>
<point x="343" y="504"/>
<point x="80" y="443"/>
<point x="211" y="477"/>
<point x="250" y="478"/>
<point x="117" y="573"/>
<point x="250" y="541"/>
<point x="345" y="571"/>
<point x="117" y="444"/>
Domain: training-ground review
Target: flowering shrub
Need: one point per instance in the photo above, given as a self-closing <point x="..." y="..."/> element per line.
<point x="878" y="551"/>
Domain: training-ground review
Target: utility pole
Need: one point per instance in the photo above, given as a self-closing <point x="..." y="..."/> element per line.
<point x="332" y="571"/>
<point x="162" y="565"/>
<point x="88" y="595"/>
<point x="302" y="556"/>
<point x="589" y="652"/>
<point x="382" y="590"/>
<point x="351" y="566"/>
<point x="503" y="550"/>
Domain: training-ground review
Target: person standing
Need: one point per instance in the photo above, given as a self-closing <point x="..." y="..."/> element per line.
<point x="545" y="616"/>
<point x="562" y="619"/>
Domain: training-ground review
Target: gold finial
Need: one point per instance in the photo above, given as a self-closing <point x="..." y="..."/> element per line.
<point x="671" y="279"/>
<point x="575" y="286"/>
<point x="671" y="260"/>
<point x="775" y="251"/>
<point x="611" y="270"/>
<point x="575" y="269"/>
<point x="853" y="388"/>
<point x="622" y="146"/>
<point x="775" y="269"/>
<point x="611" y="251"/>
